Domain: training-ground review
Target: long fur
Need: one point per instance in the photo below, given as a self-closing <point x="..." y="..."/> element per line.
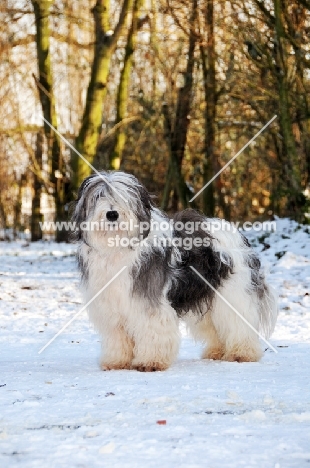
<point x="138" y="314"/>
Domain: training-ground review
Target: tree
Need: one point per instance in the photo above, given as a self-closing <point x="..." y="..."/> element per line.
<point x="208" y="59"/>
<point x="104" y="46"/>
<point x="176" y="130"/>
<point x="47" y="99"/>
<point x="291" y="167"/>
<point x="123" y="88"/>
<point x="36" y="217"/>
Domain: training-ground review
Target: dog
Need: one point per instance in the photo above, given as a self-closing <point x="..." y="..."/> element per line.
<point x="173" y="269"/>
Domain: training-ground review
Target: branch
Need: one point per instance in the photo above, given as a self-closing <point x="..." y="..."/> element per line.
<point x="266" y="12"/>
<point x="305" y="3"/>
<point x="127" y="6"/>
<point x="34" y="167"/>
<point x="111" y="132"/>
<point x="5" y="46"/>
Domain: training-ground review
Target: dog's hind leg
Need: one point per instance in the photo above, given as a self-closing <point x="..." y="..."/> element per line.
<point x="157" y="339"/>
<point x="117" y="349"/>
<point x="240" y="340"/>
<point x="202" y="329"/>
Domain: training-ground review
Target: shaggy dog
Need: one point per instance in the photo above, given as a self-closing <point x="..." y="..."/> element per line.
<point x="137" y="314"/>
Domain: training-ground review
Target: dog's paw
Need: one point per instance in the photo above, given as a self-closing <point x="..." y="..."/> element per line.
<point x="115" y="366"/>
<point x="239" y="357"/>
<point x="216" y="354"/>
<point x="150" y="367"/>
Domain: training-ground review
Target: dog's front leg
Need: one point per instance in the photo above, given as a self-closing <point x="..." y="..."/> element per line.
<point x="156" y="341"/>
<point x="117" y="349"/>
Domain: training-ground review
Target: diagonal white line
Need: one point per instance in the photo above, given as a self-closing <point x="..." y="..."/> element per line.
<point x="233" y="158"/>
<point x="82" y="157"/>
<point x="81" y="310"/>
<point x="233" y="308"/>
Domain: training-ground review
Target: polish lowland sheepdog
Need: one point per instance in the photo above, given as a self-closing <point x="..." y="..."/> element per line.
<point x="165" y="262"/>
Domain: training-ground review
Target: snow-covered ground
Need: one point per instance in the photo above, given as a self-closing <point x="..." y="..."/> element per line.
<point x="57" y="409"/>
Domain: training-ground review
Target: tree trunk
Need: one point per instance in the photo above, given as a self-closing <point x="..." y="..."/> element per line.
<point x="18" y="207"/>
<point x="210" y="165"/>
<point x="47" y="99"/>
<point x="181" y="121"/>
<point x="105" y="43"/>
<point x="3" y="216"/>
<point x="36" y="216"/>
<point x="174" y="181"/>
<point x="123" y="89"/>
<point x="290" y="158"/>
<point x="167" y="189"/>
<point x="167" y="134"/>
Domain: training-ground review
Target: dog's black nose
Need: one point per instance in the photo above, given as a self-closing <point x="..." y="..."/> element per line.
<point x="112" y="215"/>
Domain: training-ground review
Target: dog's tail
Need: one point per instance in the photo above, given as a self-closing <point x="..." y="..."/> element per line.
<point x="266" y="294"/>
<point x="268" y="311"/>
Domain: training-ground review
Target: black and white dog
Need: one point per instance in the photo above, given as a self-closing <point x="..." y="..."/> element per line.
<point x="137" y="314"/>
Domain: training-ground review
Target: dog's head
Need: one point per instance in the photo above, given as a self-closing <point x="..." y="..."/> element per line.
<point x="111" y="204"/>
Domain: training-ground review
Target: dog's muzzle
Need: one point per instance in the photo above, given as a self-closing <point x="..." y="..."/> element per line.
<point x="112" y="215"/>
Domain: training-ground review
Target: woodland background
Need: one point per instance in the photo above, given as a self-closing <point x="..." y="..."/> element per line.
<point x="168" y="90"/>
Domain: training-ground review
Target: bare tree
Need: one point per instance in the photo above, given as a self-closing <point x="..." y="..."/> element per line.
<point x="105" y="44"/>
<point x="47" y="99"/>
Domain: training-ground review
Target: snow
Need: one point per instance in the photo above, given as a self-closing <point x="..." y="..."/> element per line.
<point x="57" y="409"/>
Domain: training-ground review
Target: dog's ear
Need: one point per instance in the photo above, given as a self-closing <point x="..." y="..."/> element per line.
<point x="78" y="217"/>
<point x="79" y="208"/>
<point x="83" y="186"/>
<point x="144" y="208"/>
<point x="145" y="197"/>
